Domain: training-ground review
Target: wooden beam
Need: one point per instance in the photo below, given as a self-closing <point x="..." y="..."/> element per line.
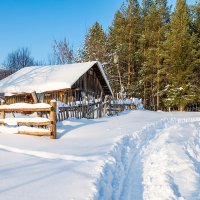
<point x="35" y="123"/>
<point x="53" y="119"/>
<point x="34" y="96"/>
<point x="35" y="133"/>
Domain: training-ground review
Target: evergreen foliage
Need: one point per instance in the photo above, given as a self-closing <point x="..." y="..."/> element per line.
<point x="95" y="44"/>
<point x="151" y="53"/>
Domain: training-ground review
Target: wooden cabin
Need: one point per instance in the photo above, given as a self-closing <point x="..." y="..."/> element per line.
<point x="65" y="83"/>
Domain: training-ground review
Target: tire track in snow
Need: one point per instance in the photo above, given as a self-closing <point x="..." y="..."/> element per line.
<point x="154" y="172"/>
<point x="133" y="181"/>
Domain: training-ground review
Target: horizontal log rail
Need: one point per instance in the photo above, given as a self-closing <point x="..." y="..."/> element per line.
<point x="39" y="108"/>
<point x="47" y="133"/>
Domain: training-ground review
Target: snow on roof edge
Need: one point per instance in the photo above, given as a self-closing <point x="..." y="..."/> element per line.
<point x="104" y="76"/>
<point x="7" y="87"/>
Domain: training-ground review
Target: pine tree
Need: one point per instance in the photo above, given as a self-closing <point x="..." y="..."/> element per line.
<point x="179" y="59"/>
<point x="196" y="47"/>
<point x="155" y="24"/>
<point x="133" y="31"/>
<point x="123" y="42"/>
<point x="117" y="50"/>
<point x="95" y="44"/>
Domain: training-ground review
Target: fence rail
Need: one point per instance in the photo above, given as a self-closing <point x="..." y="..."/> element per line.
<point x="48" y="115"/>
<point x="92" y="110"/>
<point x="37" y="121"/>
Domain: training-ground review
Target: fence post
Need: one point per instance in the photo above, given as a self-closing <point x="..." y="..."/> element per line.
<point x="84" y="108"/>
<point x="53" y="119"/>
<point x="109" y="108"/>
<point x="3" y="114"/>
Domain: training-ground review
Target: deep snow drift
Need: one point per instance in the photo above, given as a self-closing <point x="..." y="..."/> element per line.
<point x="136" y="155"/>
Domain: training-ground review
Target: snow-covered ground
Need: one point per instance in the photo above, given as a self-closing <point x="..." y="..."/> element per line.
<point x="136" y="155"/>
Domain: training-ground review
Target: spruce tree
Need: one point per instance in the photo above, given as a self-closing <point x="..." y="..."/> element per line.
<point x="95" y="44"/>
<point x="123" y="40"/>
<point x="132" y="34"/>
<point x="116" y="49"/>
<point x="155" y="24"/>
<point x="196" y="47"/>
<point x="180" y="89"/>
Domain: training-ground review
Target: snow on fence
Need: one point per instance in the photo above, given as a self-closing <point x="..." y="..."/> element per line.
<point x="39" y="121"/>
<point x="48" y="115"/>
<point x="93" y="109"/>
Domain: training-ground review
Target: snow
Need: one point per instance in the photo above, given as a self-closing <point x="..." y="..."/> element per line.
<point x="136" y="155"/>
<point x="46" y="78"/>
<point x="25" y="105"/>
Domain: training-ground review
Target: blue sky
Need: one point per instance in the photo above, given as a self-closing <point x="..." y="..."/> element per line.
<point x="35" y="23"/>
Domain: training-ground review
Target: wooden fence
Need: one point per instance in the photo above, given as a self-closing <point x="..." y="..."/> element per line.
<point x="39" y="122"/>
<point x="47" y="116"/>
<point x="91" y="110"/>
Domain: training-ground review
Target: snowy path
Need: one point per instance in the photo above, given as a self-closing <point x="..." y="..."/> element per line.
<point x="167" y="166"/>
<point x="136" y="155"/>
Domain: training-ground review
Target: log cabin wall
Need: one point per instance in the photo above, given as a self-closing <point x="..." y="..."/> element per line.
<point x="65" y="96"/>
<point x="89" y="84"/>
<point x="21" y="98"/>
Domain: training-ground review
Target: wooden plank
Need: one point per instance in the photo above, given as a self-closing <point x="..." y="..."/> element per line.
<point x="34" y="96"/>
<point x="2" y="123"/>
<point x="47" y="133"/>
<point x="35" y="123"/>
<point x="53" y="119"/>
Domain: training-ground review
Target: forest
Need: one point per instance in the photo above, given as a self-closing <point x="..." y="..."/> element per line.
<point x="150" y="51"/>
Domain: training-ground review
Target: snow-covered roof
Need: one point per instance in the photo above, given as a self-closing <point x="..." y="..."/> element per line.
<point x="49" y="78"/>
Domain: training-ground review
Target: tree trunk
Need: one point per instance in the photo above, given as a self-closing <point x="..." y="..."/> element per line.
<point x="144" y="102"/>
<point x="129" y="78"/>
<point x="158" y="91"/>
<point x="181" y="108"/>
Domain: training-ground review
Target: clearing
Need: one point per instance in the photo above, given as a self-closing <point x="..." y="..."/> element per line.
<point x="136" y="155"/>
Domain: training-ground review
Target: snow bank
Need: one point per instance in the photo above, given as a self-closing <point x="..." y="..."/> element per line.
<point x="26" y="105"/>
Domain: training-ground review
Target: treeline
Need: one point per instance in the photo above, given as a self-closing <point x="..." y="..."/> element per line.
<point x="148" y="52"/>
<point x="151" y="52"/>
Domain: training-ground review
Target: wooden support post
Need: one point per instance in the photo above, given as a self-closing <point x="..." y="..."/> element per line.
<point x="53" y="119"/>
<point x="3" y="114"/>
<point x="109" y="107"/>
<point x="34" y="96"/>
<point x="100" y="106"/>
<point x="84" y="108"/>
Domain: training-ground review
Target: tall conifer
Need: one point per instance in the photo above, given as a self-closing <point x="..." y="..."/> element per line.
<point x="95" y="44"/>
<point x="179" y="59"/>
